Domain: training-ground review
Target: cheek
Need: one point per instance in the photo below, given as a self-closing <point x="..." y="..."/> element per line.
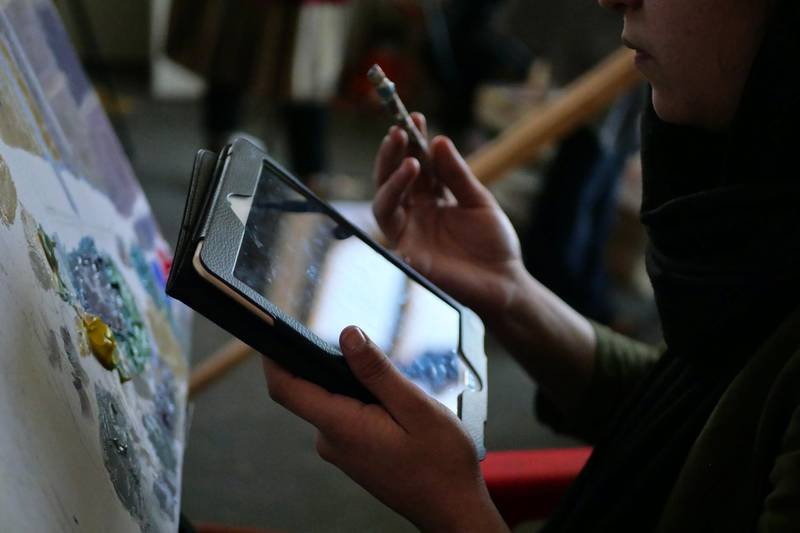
<point x="686" y="75"/>
<point x="704" y="50"/>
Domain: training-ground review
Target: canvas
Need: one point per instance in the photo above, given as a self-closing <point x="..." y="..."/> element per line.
<point x="93" y="365"/>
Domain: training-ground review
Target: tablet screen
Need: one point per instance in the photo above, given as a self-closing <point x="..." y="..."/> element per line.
<point x="321" y="275"/>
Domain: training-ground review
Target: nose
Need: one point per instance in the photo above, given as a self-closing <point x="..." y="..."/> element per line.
<point x="620" y="5"/>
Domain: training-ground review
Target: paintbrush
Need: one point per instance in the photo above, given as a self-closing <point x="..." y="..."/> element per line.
<point x="388" y="95"/>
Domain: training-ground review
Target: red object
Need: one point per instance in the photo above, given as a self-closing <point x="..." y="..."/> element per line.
<point x="525" y="485"/>
<point x="528" y="484"/>
<point x="165" y="260"/>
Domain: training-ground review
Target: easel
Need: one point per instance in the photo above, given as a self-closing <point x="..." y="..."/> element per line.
<point x="521" y="143"/>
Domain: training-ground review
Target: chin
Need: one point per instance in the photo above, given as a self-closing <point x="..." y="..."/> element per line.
<point x="669" y="109"/>
<point x="683" y="111"/>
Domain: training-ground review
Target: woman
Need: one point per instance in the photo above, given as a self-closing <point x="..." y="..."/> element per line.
<point x="701" y="435"/>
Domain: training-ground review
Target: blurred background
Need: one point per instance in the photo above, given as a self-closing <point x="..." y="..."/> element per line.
<point x="179" y="75"/>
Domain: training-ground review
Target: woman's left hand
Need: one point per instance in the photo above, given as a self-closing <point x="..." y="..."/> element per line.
<point x="409" y="451"/>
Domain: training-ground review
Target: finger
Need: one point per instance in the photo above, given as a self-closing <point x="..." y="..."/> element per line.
<point x="403" y="400"/>
<point x="390" y="154"/>
<point x="387" y="204"/>
<point x="420" y="122"/>
<point x="456" y="174"/>
<point x="307" y="400"/>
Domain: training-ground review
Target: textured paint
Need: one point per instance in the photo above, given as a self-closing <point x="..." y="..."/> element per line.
<point x="160" y="428"/>
<point x="145" y="272"/>
<point x="43" y="252"/>
<point x="83" y="338"/>
<point x="8" y="195"/>
<point x="169" y="349"/>
<point x="80" y="380"/>
<point x="146" y="231"/>
<point x="40" y="268"/>
<point x="52" y="251"/>
<point x="119" y="455"/>
<point x="53" y="350"/>
<point x="33" y="107"/>
<point x="122" y="251"/>
<point x="162" y="442"/>
<point x="165" y="398"/>
<point x="166" y="494"/>
<point x="101" y="341"/>
<point x="102" y="291"/>
<point x="39" y="264"/>
<point x="15" y="128"/>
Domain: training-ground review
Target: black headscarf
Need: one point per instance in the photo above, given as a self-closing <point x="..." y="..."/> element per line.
<point x="722" y="212"/>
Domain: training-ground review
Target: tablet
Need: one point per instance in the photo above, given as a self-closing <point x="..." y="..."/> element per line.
<point x="297" y="267"/>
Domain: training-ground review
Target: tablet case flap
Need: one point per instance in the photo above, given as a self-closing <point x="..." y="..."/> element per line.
<point x="186" y="284"/>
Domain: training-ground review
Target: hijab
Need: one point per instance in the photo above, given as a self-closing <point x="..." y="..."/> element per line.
<point x="722" y="213"/>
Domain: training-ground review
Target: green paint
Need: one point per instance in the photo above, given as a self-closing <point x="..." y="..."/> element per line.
<point x="8" y="195"/>
<point x="39" y="264"/>
<point x="51" y="252"/>
<point x="44" y="252"/>
<point x="135" y="338"/>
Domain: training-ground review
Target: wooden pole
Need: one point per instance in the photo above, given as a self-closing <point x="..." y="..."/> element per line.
<point x="581" y="100"/>
<point x="217" y="365"/>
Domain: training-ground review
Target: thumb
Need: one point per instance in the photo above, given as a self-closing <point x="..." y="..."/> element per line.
<point x="451" y="168"/>
<point x="402" y="399"/>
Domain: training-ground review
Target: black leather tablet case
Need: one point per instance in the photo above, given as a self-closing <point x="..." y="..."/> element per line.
<point x="279" y="342"/>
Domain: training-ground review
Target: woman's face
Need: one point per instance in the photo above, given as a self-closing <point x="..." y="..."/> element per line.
<point x="695" y="53"/>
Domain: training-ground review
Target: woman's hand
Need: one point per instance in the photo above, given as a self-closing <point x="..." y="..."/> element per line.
<point x="448" y="227"/>
<point x="409" y="451"/>
<point x="445" y="224"/>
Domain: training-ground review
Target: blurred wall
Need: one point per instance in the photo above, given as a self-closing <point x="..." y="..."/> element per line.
<point x="121" y="28"/>
<point x="168" y="80"/>
<point x="573" y="34"/>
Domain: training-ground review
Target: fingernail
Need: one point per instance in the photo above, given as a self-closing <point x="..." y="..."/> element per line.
<point x="353" y="339"/>
<point x="411" y="164"/>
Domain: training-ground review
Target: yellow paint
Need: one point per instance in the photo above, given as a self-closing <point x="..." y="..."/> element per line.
<point x="101" y="340"/>
<point x="169" y="349"/>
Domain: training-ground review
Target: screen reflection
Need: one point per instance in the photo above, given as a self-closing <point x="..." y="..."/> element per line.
<point x="315" y="272"/>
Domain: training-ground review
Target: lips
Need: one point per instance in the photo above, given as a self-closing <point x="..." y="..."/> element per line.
<point x="641" y="54"/>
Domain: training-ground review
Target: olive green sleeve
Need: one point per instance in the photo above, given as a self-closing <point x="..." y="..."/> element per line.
<point x="620" y="363"/>
<point x="781" y="511"/>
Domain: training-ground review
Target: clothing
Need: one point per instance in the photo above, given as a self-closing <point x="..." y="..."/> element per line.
<point x="706" y="436"/>
<point x="285" y="49"/>
<point x="290" y="51"/>
<point x="743" y="471"/>
<point x="564" y="246"/>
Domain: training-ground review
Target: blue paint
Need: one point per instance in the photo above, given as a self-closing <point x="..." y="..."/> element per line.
<point x="102" y="291"/>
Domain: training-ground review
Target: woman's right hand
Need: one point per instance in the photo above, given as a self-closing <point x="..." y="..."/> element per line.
<point x="449" y="227"/>
<point x="445" y="224"/>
